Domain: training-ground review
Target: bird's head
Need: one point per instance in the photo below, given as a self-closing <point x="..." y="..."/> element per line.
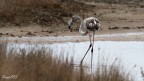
<point x="71" y="21"/>
<point x="70" y="24"/>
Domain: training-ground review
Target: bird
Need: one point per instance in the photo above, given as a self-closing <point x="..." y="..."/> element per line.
<point x="86" y="25"/>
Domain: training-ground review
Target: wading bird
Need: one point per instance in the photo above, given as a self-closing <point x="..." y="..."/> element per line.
<point x="86" y="25"/>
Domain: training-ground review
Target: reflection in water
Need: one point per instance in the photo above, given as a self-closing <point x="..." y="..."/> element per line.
<point x="130" y="53"/>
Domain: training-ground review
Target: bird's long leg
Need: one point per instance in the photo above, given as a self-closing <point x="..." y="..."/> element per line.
<point x="92" y="51"/>
<point x="87" y="49"/>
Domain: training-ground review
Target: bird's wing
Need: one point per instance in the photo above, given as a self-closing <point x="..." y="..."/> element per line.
<point x="92" y="23"/>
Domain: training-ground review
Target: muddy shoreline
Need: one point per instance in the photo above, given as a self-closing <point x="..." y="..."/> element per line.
<point x="133" y="36"/>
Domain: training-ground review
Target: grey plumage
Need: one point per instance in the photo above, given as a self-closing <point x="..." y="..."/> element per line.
<point x="88" y="24"/>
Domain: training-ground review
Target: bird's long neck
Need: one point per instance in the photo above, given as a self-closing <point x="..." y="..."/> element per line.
<point x="82" y="28"/>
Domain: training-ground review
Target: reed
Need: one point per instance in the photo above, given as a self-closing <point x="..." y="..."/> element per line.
<point x="42" y="65"/>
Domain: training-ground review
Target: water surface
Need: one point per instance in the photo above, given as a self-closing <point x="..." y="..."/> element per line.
<point x="129" y="53"/>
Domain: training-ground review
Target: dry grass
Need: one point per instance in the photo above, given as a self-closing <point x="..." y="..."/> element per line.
<point x="25" y="12"/>
<point x="142" y="73"/>
<point x="39" y="65"/>
<point x="18" y="5"/>
<point x="133" y="2"/>
<point x="47" y="12"/>
<point x="114" y="72"/>
<point x="36" y="65"/>
<point x="41" y="12"/>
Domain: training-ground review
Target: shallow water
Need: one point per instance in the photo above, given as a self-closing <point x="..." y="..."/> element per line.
<point x="129" y="53"/>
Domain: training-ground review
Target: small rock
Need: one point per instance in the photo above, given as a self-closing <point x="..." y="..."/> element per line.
<point x="1" y="33"/>
<point x="56" y="35"/>
<point x="12" y="35"/>
<point x="20" y="36"/>
<point x="47" y="35"/>
<point x="50" y="31"/>
<point x="113" y="28"/>
<point x="7" y="33"/>
<point x="126" y="27"/>
<point x="45" y="31"/>
<point x="22" y="31"/>
<point x="30" y="34"/>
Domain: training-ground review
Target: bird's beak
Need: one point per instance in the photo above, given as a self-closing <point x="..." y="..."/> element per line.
<point x="70" y="28"/>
